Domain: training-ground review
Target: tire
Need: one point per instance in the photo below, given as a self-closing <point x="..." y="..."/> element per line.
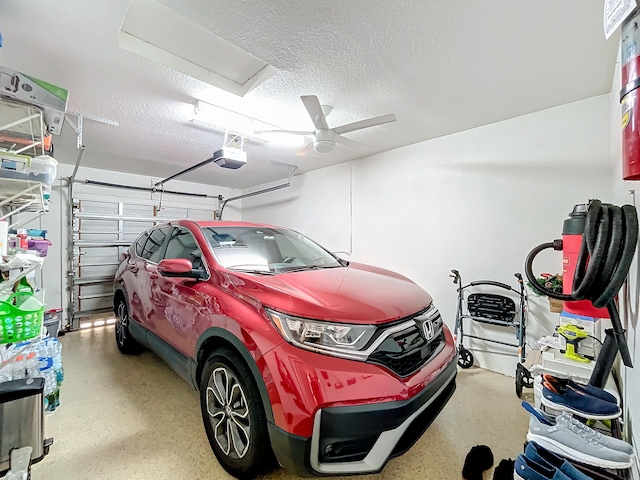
<point x="519" y="381"/>
<point x="125" y="342"/>
<point x="234" y="417"/>
<point x="465" y="358"/>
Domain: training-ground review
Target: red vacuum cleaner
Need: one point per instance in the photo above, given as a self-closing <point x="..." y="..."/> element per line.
<point x="598" y="244"/>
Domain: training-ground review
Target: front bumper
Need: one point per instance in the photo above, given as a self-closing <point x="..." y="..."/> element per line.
<point x="361" y="439"/>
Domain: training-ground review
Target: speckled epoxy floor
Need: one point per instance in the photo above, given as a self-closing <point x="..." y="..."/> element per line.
<point x="127" y="418"/>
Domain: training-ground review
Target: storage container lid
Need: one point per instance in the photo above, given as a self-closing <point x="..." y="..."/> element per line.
<point x="45" y="159"/>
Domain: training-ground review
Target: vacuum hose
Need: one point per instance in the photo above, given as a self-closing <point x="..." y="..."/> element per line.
<point x="608" y="245"/>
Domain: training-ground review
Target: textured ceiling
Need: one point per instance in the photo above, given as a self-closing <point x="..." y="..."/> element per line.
<point x="441" y="67"/>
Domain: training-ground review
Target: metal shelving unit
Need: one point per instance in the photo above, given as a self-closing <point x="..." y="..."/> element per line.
<point x="20" y="196"/>
<point x="17" y="197"/>
<point x="22" y="128"/>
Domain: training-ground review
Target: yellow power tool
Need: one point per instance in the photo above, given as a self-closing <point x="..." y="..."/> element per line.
<point x="574" y="335"/>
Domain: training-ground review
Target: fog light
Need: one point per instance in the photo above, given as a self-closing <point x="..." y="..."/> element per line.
<point x="348" y="450"/>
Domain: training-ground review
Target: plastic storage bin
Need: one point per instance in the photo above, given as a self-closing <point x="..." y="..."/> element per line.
<point x="43" y="169"/>
<point x="39" y="246"/>
<point x="52" y="321"/>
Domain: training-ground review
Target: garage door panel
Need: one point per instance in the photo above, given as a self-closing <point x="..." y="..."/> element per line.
<point x="102" y="230"/>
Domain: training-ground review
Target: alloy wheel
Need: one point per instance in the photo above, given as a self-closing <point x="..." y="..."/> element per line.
<point x="122" y="324"/>
<point x="228" y="413"/>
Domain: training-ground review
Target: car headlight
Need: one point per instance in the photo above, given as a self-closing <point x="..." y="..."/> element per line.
<point x="339" y="339"/>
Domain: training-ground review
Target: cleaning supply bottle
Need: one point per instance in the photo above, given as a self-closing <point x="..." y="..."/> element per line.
<point x="18" y="368"/>
<point x="23" y="239"/>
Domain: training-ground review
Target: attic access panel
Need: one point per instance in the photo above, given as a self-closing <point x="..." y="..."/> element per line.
<point x="166" y="37"/>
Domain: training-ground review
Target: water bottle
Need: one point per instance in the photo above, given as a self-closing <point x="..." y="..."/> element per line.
<point x="50" y="384"/>
<point x="5" y="374"/>
<point x="56" y="391"/>
<point x="33" y="366"/>
<point x="56" y="353"/>
<point x="18" y="368"/>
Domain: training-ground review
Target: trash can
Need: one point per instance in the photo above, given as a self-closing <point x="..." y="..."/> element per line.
<point x="21" y="419"/>
<point x="52" y="320"/>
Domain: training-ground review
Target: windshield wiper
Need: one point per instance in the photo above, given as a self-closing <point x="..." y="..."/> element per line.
<point x="248" y="270"/>
<point x="308" y="267"/>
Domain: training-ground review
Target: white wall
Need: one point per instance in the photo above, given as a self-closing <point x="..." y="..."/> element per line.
<point x="55" y="221"/>
<point x="630" y="304"/>
<point x="477" y="201"/>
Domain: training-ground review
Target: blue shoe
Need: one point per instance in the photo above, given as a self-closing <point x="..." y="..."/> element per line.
<point x="526" y="469"/>
<point x="544" y="457"/>
<point x="560" y="383"/>
<point x="578" y="403"/>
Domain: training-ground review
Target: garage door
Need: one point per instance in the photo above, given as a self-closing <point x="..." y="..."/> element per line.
<point x="101" y="231"/>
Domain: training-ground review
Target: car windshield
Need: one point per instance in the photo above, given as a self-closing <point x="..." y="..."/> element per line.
<point x="266" y="250"/>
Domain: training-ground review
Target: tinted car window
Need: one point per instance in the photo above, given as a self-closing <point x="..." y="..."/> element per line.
<point x="151" y="250"/>
<point x="140" y="243"/>
<point x="182" y="244"/>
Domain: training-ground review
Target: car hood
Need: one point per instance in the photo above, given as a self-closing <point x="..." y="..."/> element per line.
<point x="354" y="294"/>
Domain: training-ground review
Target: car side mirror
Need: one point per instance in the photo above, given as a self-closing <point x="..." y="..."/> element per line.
<point x="179" y="267"/>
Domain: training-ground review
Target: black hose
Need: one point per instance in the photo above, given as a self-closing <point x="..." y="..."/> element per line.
<point x="601" y="370"/>
<point x="608" y="245"/>
<point x="528" y="270"/>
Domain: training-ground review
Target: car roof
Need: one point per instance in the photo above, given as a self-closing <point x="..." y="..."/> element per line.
<point x="224" y="223"/>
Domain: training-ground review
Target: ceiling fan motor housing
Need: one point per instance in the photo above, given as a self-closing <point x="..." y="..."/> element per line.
<point x="325" y="141"/>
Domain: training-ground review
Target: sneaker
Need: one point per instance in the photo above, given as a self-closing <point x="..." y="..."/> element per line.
<point x="610" y="442"/>
<point x="527" y="469"/>
<point x="572" y="441"/>
<point x="579" y="403"/>
<point x="544" y="457"/>
<point x="560" y="383"/>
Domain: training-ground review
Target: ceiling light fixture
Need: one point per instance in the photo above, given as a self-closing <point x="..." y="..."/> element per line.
<point x="218" y="118"/>
<point x="294" y="141"/>
<point x="219" y="128"/>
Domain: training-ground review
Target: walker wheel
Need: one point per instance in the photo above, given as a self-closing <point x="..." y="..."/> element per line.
<point x="523" y="379"/>
<point x="519" y="383"/>
<point x="465" y="358"/>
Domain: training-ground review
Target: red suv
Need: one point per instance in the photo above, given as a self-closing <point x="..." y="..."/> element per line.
<point x="324" y="366"/>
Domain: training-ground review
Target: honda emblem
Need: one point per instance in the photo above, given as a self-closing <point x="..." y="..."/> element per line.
<point x="429" y="330"/>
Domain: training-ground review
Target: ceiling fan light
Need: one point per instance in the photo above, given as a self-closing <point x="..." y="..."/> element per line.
<point x="324" y="146"/>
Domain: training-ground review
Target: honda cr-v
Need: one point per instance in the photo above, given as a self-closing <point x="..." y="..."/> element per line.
<point x="301" y="358"/>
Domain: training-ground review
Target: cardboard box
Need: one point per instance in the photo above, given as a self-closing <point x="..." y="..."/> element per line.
<point x="592" y="326"/>
<point x="557" y="364"/>
<point x="13" y="165"/>
<point x="51" y="98"/>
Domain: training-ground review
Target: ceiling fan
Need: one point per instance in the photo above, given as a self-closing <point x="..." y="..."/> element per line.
<point x="325" y="138"/>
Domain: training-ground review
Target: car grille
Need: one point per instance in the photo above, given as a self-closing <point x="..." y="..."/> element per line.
<point x="407" y="351"/>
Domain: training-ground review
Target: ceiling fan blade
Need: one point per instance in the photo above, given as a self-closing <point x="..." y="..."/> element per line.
<point x="291" y="132"/>
<point x="350" y="143"/>
<point x="369" y="122"/>
<point x="312" y="105"/>
<point x="305" y="150"/>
